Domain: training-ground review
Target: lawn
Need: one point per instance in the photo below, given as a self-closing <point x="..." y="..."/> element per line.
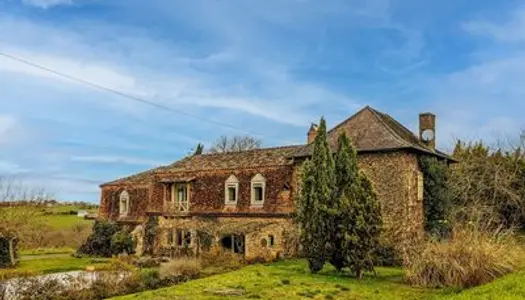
<point x="290" y="280"/>
<point x="51" y="263"/>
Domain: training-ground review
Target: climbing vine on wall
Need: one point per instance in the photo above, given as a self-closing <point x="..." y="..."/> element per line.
<point x="150" y="234"/>
<point x="437" y="201"/>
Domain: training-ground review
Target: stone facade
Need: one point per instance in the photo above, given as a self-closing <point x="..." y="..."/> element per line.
<point x="388" y="154"/>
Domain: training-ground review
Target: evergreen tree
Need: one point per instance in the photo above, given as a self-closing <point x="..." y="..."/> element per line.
<point x="358" y="219"/>
<point x="199" y="149"/>
<point x="367" y="228"/>
<point x="316" y="202"/>
<point x="347" y="184"/>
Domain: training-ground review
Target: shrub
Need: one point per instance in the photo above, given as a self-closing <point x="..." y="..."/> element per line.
<point x="186" y="268"/>
<point x="217" y="257"/>
<point x="99" y="242"/>
<point x="471" y="257"/>
<point x="122" y="242"/>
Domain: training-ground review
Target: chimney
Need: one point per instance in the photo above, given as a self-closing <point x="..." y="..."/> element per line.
<point x="427" y="129"/>
<point x="312" y="133"/>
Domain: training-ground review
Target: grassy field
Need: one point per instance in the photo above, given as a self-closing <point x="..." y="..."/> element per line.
<point x="290" y="280"/>
<point x="50" y="263"/>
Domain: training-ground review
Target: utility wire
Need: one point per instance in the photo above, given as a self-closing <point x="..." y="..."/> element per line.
<point x="127" y="96"/>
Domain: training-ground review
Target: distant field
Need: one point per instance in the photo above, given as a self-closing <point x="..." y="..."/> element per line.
<point x="54" y="263"/>
<point x="55" y="226"/>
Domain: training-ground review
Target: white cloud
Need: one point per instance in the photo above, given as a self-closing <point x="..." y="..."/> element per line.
<point x="512" y="30"/>
<point x="8" y="127"/>
<point x="109" y="159"/>
<point x="45" y="4"/>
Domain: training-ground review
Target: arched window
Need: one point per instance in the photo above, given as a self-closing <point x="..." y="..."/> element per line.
<point x="231" y="190"/>
<point x="124" y="203"/>
<point x="258" y="190"/>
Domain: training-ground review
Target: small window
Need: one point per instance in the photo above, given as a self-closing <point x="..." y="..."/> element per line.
<point x="181" y="197"/>
<point x="170" y="237"/>
<point x="271" y="240"/>
<point x="124" y="203"/>
<point x="231" y="190"/>
<point x="183" y="238"/>
<point x="258" y="190"/>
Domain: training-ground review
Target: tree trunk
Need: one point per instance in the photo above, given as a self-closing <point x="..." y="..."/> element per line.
<point x="12" y="252"/>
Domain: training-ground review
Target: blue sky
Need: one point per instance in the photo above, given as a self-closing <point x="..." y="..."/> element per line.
<point x="269" y="67"/>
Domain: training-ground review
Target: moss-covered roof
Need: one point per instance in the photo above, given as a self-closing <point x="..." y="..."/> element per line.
<point x="265" y="157"/>
<point x="369" y="129"/>
<point x="372" y="130"/>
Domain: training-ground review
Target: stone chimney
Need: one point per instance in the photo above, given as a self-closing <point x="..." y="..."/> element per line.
<point x="427" y="129"/>
<point x="312" y="133"/>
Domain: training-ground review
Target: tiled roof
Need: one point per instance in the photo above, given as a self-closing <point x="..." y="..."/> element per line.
<point x="220" y="161"/>
<point x="371" y="130"/>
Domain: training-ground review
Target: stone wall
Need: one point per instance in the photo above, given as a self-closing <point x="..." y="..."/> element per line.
<point x="255" y="230"/>
<point x="395" y="179"/>
<point x="139" y="196"/>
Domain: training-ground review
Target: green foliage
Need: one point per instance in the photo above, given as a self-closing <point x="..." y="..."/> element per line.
<point x="122" y="242"/>
<point x="199" y="149"/>
<point x="357" y="214"/>
<point x="437" y="201"/>
<point x="99" y="242"/>
<point x="347" y="189"/>
<point x="315" y="201"/>
<point x="488" y="184"/>
<point x="150" y="234"/>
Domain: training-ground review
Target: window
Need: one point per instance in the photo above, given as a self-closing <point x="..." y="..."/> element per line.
<point x="170" y="237"/>
<point x="258" y="190"/>
<point x="420" y="186"/>
<point x="271" y="240"/>
<point x="124" y="203"/>
<point x="184" y="238"/>
<point x="180" y="197"/>
<point x="231" y="190"/>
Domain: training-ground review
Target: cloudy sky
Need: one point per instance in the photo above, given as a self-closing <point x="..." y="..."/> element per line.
<point x="225" y="67"/>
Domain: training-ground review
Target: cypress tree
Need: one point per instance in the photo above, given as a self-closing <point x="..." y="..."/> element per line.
<point x="367" y="228"/>
<point x="347" y="185"/>
<point x="315" y="205"/>
<point x="358" y="219"/>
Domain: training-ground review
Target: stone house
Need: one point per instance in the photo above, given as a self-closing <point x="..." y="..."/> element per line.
<point x="243" y="201"/>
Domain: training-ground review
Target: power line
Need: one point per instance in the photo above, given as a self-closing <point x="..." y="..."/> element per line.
<point x="127" y="96"/>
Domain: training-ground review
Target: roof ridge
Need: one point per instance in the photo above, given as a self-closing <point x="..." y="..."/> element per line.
<point x="348" y="119"/>
<point x="249" y="150"/>
<point x="378" y="115"/>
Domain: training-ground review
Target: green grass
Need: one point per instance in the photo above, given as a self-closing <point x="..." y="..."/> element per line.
<point x="43" y="251"/>
<point x="64" y="221"/>
<point x="509" y="287"/>
<point x="291" y="280"/>
<point x="48" y="264"/>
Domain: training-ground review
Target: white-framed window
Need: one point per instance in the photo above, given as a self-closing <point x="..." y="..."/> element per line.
<point x="258" y="190"/>
<point x="231" y="190"/>
<point x="181" y="197"/>
<point x="124" y="203"/>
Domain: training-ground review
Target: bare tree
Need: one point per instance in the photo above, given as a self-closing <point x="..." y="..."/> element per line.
<point x="17" y="221"/>
<point x="236" y="143"/>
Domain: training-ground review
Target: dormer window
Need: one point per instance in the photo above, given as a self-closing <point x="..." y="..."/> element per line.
<point x="258" y="190"/>
<point x="231" y="190"/>
<point x="124" y="203"/>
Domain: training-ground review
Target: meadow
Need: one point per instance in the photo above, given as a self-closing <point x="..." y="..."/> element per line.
<point x="292" y="280"/>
